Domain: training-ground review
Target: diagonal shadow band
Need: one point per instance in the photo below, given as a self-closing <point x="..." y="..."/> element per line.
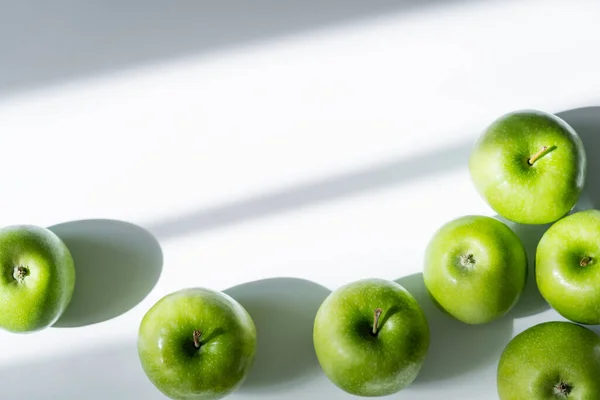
<point x="377" y="177"/>
<point x="45" y="43"/>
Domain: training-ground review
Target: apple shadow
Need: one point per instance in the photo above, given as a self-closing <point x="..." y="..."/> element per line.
<point x="283" y="310"/>
<point x="455" y="347"/>
<point x="116" y="264"/>
<point x="531" y="301"/>
<point x="586" y="122"/>
<point x="594" y="328"/>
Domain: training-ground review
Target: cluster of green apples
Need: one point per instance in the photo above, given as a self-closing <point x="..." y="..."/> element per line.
<point x="530" y="167"/>
<point x="371" y="337"/>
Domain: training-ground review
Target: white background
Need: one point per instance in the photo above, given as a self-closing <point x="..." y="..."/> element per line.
<point x="321" y="143"/>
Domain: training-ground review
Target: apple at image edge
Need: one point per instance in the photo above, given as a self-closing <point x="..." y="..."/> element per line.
<point x="551" y="360"/>
<point x="475" y="268"/>
<point x="197" y="344"/>
<point x="568" y="266"/>
<point x="529" y="166"/>
<point x="37" y="280"/>
<point x="371" y="337"/>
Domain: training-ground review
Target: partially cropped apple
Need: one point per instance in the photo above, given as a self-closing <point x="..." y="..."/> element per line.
<point x="529" y="166"/>
<point x="371" y="337"/>
<point x="551" y="360"/>
<point x="37" y="278"/>
<point x="568" y="266"/>
<point x="197" y="344"/>
<point x="475" y="268"/>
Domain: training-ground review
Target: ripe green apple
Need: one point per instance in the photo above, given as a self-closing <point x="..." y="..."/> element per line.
<point x="197" y="344"/>
<point x="475" y="268"/>
<point x="529" y="166"/>
<point x="37" y="279"/>
<point x="551" y="360"/>
<point x="371" y="337"/>
<point x="568" y="266"/>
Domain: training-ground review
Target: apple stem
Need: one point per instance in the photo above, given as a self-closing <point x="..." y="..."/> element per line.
<point x="562" y="389"/>
<point x="378" y="312"/>
<point x="537" y="155"/>
<point x="585" y="261"/>
<point x="197" y="335"/>
<point x="20" y="272"/>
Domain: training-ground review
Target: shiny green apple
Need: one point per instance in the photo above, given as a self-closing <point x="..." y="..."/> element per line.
<point x="568" y="266"/>
<point x="197" y="344"/>
<point x="371" y="337"/>
<point x="529" y="166"/>
<point x="37" y="279"/>
<point x="551" y="360"/>
<point x="475" y="268"/>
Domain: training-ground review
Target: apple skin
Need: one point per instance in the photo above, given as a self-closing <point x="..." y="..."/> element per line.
<point x="529" y="194"/>
<point x="35" y="300"/>
<point x="227" y="344"/>
<point x="571" y="289"/>
<point x="546" y="355"/>
<point x="475" y="268"/>
<point x="359" y="362"/>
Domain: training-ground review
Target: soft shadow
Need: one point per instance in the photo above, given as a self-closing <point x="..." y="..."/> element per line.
<point x="46" y="42"/>
<point x="117" y="264"/>
<point x="455" y="347"/>
<point x="586" y="122"/>
<point x="531" y="301"/>
<point x="376" y="177"/>
<point x="283" y="310"/>
<point x="103" y="372"/>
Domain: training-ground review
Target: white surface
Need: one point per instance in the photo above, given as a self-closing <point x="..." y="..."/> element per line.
<point x="328" y="155"/>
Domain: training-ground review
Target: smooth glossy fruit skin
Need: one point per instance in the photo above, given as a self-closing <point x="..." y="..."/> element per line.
<point x="38" y="298"/>
<point x="529" y="194"/>
<point x="571" y="288"/>
<point x="172" y="362"/>
<point x="357" y="361"/>
<point x="536" y="361"/>
<point x="475" y="268"/>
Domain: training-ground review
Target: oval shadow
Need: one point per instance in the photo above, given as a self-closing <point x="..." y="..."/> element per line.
<point x="586" y="122"/>
<point x="116" y="264"/>
<point x="283" y="310"/>
<point x="531" y="301"/>
<point x="455" y="347"/>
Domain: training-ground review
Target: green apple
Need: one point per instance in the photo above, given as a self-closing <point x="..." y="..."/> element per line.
<point x="197" y="344"/>
<point x="568" y="266"/>
<point x="529" y="166"/>
<point x="37" y="279"/>
<point x="371" y="337"/>
<point x="551" y="360"/>
<point x="475" y="268"/>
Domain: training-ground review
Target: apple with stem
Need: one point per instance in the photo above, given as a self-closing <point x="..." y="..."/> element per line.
<point x="475" y="268"/>
<point x="529" y="166"/>
<point x="371" y="337"/>
<point x="37" y="279"/>
<point x="568" y="266"/>
<point x="197" y="344"/>
<point x="550" y="360"/>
